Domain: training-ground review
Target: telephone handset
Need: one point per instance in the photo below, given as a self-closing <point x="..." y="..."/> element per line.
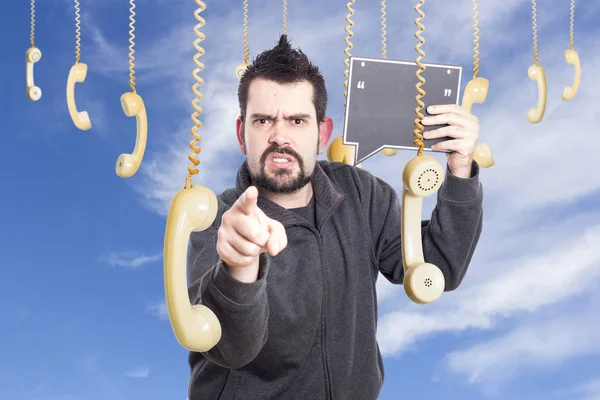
<point x="536" y="73"/>
<point x="193" y="209"/>
<point x="33" y="55"/>
<point x="476" y="92"/>
<point x="571" y="57"/>
<point x="422" y="176"/>
<point x="77" y="74"/>
<point x="339" y="152"/>
<point x="133" y="106"/>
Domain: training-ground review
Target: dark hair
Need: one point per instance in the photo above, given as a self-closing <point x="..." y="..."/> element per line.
<point x="282" y="64"/>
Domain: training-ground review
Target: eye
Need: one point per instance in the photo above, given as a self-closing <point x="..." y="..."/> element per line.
<point x="298" y="121"/>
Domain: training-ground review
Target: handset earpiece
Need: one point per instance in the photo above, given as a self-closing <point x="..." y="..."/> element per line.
<point x="422" y="177"/>
<point x="571" y="57"/>
<point x="133" y="106"/>
<point x="193" y="209"/>
<point x="339" y="152"/>
<point x="33" y="55"/>
<point x="77" y="74"/>
<point x="240" y="69"/>
<point x="476" y="92"/>
<point x="536" y="73"/>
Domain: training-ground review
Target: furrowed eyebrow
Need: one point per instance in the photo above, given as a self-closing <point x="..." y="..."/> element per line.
<point x="270" y="117"/>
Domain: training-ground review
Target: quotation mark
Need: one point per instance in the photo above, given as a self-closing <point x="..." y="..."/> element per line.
<point x="447" y="92"/>
<point x="360" y="85"/>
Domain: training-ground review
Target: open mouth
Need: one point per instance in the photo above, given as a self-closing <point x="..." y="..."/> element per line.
<point x="281" y="160"/>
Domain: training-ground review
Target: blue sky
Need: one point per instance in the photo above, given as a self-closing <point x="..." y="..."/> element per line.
<point x="524" y="324"/>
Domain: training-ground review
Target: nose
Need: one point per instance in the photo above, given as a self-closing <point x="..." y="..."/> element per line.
<point x="278" y="134"/>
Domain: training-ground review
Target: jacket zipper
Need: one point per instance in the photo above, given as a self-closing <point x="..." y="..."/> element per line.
<point x="328" y="389"/>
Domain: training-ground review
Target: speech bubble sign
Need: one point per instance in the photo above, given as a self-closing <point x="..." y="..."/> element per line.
<point x="380" y="108"/>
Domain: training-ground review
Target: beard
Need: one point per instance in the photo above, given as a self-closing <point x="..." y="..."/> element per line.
<point x="283" y="180"/>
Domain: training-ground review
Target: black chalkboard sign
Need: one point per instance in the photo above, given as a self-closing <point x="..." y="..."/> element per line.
<point x="380" y="110"/>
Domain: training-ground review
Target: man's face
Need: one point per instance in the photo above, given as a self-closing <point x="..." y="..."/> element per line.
<point x="281" y="136"/>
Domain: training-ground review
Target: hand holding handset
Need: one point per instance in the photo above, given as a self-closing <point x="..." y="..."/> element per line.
<point x="422" y="176"/>
<point x="133" y="106"/>
<point x="196" y="327"/>
<point x="475" y="92"/>
<point x="33" y="55"/>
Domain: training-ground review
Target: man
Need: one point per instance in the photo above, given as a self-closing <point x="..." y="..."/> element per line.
<point x="290" y="264"/>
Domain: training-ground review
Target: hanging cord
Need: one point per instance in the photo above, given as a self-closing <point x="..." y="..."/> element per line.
<point x="199" y="81"/>
<point x="131" y="45"/>
<point x="475" y="40"/>
<point x="383" y="31"/>
<point x="284" y="20"/>
<point x="77" y="33"/>
<point x="32" y="35"/>
<point x="246" y="47"/>
<point x="536" y="55"/>
<point x="349" y="46"/>
<point x="420" y="92"/>
<point x="571" y="23"/>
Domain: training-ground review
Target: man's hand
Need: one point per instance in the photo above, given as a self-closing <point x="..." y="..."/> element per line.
<point x="463" y="129"/>
<point x="245" y="233"/>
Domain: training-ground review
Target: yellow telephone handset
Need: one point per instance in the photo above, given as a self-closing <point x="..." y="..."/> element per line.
<point x="536" y="73"/>
<point x="77" y="74"/>
<point x="339" y="152"/>
<point x="422" y="176"/>
<point x="194" y="208"/>
<point x="423" y="282"/>
<point x="33" y="55"/>
<point x="476" y="92"/>
<point x="572" y="57"/>
<point x="196" y="327"/>
<point x="133" y="106"/>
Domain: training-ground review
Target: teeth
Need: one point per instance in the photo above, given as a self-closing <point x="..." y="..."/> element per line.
<point x="280" y="160"/>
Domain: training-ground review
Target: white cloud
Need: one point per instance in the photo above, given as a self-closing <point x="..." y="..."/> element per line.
<point x="131" y="260"/>
<point x="159" y="310"/>
<point x="139" y="372"/>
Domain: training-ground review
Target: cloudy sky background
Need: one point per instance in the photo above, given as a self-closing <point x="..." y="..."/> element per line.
<point x="82" y="298"/>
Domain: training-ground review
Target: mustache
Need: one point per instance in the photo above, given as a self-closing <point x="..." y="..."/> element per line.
<point x="280" y="150"/>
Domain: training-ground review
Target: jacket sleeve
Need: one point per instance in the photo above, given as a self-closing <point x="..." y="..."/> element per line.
<point x="242" y="308"/>
<point x="449" y="237"/>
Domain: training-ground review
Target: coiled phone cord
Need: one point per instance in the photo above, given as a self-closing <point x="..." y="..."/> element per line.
<point x="199" y="81"/>
<point x="77" y="33"/>
<point x="535" y="41"/>
<point x="349" y="46"/>
<point x="383" y="31"/>
<point x="131" y="45"/>
<point x="284" y="20"/>
<point x="571" y="18"/>
<point x="420" y="92"/>
<point x="246" y="46"/>
<point x="475" y="39"/>
<point x="32" y="35"/>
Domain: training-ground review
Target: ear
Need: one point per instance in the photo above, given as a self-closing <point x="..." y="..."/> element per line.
<point x="325" y="130"/>
<point x="239" y="127"/>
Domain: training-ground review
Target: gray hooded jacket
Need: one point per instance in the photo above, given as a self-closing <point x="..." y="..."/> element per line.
<point x="306" y="329"/>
